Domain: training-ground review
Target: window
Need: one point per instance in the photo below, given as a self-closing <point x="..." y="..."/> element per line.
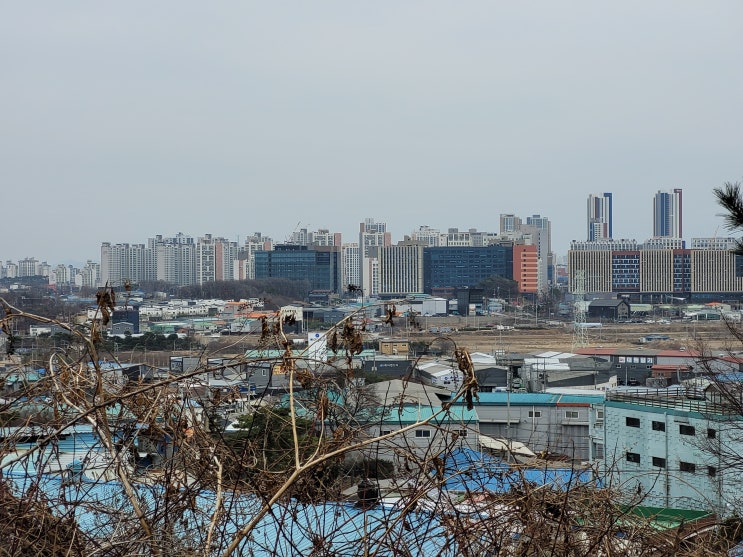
<point x="423" y="433"/>
<point x="633" y="457"/>
<point x="598" y="450"/>
<point x="687" y="467"/>
<point x="263" y="372"/>
<point x="711" y="471"/>
<point x="711" y="433"/>
<point x="462" y="433"/>
<point x="535" y="413"/>
<point x="385" y="432"/>
<point x="632" y="422"/>
<point x="659" y="462"/>
<point x="686" y="429"/>
<point x="571" y="414"/>
<point x="659" y="426"/>
<point x="599" y="414"/>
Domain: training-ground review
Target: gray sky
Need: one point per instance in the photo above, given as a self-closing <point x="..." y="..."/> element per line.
<point x="124" y="120"/>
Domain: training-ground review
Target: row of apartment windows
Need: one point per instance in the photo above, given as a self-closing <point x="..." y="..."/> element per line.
<point x="684" y="429"/>
<point x="658" y="462"/>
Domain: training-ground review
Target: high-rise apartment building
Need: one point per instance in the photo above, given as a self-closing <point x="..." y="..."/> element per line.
<point x="245" y="266"/>
<point x="350" y="260"/>
<point x="89" y="275"/>
<point x="372" y="236"/>
<point x="509" y="223"/>
<point x="667" y="214"/>
<point x="126" y="262"/>
<point x="599" y="217"/>
<point x="175" y="258"/>
<point x="28" y="267"/>
<point x="215" y="259"/>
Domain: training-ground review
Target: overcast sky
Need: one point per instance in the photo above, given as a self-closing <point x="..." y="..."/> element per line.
<point x="119" y="121"/>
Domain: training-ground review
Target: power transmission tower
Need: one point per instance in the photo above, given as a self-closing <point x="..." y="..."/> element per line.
<point x="579" y="311"/>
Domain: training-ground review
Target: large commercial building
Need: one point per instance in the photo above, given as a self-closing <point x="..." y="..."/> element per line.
<point x="599" y="217"/>
<point x="321" y="265"/>
<point x="457" y="267"/>
<point x="653" y="271"/>
<point x="401" y="269"/>
<point x="667" y="214"/>
<point x="526" y="268"/>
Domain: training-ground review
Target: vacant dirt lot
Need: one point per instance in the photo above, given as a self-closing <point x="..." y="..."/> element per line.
<point x="682" y="335"/>
<point x="480" y="334"/>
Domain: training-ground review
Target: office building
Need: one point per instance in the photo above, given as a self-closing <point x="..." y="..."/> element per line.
<point x="657" y="270"/>
<point x="526" y="268"/>
<point x="462" y="266"/>
<point x="401" y="269"/>
<point x="320" y="266"/>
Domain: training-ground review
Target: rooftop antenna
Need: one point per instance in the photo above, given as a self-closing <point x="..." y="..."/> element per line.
<point x="579" y="311"/>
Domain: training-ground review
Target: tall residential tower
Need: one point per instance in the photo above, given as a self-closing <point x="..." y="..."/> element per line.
<point x="667" y="208"/>
<point x="599" y="217"/>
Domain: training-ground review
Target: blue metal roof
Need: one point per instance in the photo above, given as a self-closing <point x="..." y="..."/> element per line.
<point x="471" y="471"/>
<point x="290" y="529"/>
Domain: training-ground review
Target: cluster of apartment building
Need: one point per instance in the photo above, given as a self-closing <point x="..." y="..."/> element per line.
<point x="86" y="276"/>
<point x="424" y="261"/>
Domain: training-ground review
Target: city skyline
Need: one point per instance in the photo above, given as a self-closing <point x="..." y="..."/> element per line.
<point x="120" y="124"/>
<point x="599" y="217"/>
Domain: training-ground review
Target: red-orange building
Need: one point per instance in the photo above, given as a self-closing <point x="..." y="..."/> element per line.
<point x="526" y="268"/>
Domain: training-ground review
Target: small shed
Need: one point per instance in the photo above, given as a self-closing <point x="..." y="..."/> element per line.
<point x="394" y="346"/>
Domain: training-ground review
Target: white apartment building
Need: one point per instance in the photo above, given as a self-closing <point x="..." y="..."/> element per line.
<point x="372" y="236"/>
<point x="350" y="261"/>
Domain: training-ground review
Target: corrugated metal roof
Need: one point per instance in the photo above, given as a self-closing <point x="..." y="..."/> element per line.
<point x="291" y="528"/>
<point x="536" y="399"/>
<point x="470" y="471"/>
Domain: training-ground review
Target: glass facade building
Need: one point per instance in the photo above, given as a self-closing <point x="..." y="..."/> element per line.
<point x="320" y="266"/>
<point x="465" y="266"/>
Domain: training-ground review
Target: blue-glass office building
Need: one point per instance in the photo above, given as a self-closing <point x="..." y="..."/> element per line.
<point x="465" y="266"/>
<point x="321" y="266"/>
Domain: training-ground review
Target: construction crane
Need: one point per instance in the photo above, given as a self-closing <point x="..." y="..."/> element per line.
<point x="290" y="238"/>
